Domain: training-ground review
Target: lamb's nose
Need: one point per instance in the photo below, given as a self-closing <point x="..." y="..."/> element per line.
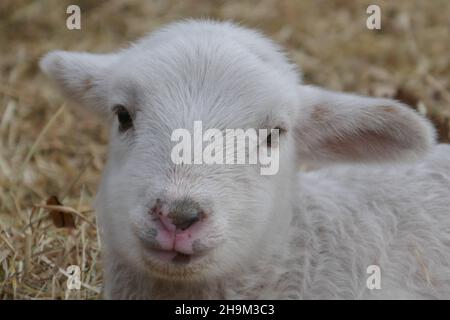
<point x="181" y="214"/>
<point x="184" y="213"/>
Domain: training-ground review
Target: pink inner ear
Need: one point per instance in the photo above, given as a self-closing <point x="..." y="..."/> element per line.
<point x="87" y="83"/>
<point x="377" y="133"/>
<point x="321" y="114"/>
<point x="342" y="127"/>
<point x="362" y="144"/>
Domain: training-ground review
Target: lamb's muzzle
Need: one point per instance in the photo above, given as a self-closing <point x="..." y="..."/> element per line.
<point x="175" y="229"/>
<point x="183" y="214"/>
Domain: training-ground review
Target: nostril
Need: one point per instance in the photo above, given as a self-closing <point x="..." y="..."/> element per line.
<point x="157" y="208"/>
<point x="185" y="213"/>
<point x="186" y="220"/>
<point x="180" y="214"/>
<point x="184" y="224"/>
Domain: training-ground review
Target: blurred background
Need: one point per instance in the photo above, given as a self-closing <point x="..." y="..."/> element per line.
<point x="51" y="155"/>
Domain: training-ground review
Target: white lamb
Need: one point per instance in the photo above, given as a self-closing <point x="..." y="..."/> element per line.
<point x="226" y="231"/>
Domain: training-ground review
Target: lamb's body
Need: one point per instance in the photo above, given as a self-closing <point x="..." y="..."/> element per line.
<point x="395" y="217"/>
<point x="345" y="219"/>
<point x="258" y="236"/>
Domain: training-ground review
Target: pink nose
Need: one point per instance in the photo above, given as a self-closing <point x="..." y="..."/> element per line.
<point x="180" y="215"/>
<point x="178" y="224"/>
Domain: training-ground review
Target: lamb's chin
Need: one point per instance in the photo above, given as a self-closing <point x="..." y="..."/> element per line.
<point x="177" y="266"/>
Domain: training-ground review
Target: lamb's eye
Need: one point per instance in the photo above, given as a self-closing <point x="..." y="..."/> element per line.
<point x="124" y="117"/>
<point x="269" y="137"/>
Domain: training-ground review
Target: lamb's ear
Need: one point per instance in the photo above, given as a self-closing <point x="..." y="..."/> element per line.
<point x="80" y="75"/>
<point x="340" y="127"/>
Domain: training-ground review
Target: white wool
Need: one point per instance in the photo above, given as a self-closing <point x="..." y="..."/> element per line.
<point x="380" y="198"/>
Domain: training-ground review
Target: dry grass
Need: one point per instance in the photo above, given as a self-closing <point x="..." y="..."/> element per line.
<point x="46" y="149"/>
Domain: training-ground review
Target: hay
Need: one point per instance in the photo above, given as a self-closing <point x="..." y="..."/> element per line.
<point x="48" y="150"/>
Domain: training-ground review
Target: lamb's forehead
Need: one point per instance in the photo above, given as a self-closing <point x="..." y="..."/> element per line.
<point x="210" y="32"/>
<point x="203" y="77"/>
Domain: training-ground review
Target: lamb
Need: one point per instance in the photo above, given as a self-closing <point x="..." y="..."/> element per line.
<point x="176" y="231"/>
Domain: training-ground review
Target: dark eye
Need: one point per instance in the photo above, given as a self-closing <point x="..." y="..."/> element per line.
<point x="269" y="137"/>
<point x="124" y="117"/>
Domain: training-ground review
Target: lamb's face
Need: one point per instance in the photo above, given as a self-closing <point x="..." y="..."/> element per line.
<point x="185" y="221"/>
<point x="191" y="220"/>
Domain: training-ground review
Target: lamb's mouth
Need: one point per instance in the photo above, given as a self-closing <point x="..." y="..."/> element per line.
<point x="154" y="254"/>
<point x="174" y="257"/>
<point x="174" y="265"/>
